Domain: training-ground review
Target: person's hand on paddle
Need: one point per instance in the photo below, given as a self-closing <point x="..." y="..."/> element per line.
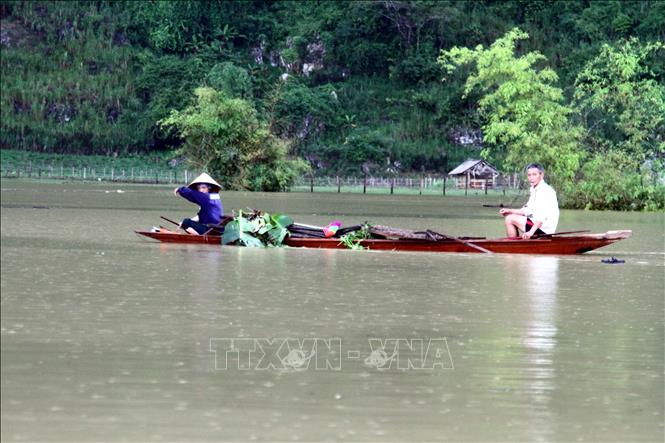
<point x="175" y="191"/>
<point x="528" y="234"/>
<point x="504" y="211"/>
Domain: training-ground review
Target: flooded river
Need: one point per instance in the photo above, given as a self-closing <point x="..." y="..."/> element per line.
<point x="107" y="336"/>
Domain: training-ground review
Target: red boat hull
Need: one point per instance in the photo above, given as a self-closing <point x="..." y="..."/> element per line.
<point x="562" y="245"/>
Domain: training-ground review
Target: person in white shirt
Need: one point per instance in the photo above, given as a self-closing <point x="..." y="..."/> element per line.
<point x="540" y="215"/>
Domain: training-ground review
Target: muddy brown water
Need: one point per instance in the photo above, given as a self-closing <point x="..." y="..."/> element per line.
<point x="108" y="336"/>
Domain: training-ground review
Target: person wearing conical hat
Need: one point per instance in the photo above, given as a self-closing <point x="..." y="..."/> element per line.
<point x="204" y="191"/>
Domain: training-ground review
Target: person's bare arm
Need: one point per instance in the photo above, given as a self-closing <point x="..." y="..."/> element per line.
<point x="528" y="234"/>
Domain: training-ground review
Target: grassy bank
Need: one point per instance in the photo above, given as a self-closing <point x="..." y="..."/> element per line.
<point x="10" y="157"/>
<point x="153" y="168"/>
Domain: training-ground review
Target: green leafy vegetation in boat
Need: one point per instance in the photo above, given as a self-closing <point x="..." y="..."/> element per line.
<point x="353" y="239"/>
<point x="257" y="229"/>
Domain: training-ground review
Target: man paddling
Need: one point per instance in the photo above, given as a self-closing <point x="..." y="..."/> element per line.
<point x="540" y="215"/>
<point x="204" y="191"/>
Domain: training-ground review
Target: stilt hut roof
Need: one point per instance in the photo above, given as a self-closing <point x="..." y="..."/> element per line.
<point x="477" y="167"/>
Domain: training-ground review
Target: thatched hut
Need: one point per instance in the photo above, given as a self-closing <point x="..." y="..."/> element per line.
<point x="475" y="174"/>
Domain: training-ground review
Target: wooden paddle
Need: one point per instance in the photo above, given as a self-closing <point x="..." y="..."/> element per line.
<point x="169" y="220"/>
<point x="473" y="245"/>
<point x="219" y="228"/>
<point x="560" y="233"/>
<point x="459" y="240"/>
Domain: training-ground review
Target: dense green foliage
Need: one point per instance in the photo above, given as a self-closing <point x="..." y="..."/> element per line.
<point x="224" y="136"/>
<point x="617" y="99"/>
<point x="352" y="85"/>
<point x="524" y="119"/>
<point x="622" y="104"/>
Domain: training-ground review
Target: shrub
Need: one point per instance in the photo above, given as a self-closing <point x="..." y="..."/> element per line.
<point x="610" y="181"/>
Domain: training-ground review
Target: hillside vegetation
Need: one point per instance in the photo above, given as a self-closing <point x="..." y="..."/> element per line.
<point x="351" y="87"/>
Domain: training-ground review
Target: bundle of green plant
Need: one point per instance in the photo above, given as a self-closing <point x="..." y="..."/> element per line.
<point x="353" y="239"/>
<point x="257" y="229"/>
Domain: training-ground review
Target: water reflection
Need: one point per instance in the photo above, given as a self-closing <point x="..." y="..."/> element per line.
<point x="540" y="338"/>
<point x="538" y="278"/>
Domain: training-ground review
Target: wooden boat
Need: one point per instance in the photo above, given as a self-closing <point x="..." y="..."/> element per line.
<point x="553" y="244"/>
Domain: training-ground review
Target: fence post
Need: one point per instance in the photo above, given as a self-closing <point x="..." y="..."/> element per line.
<point x="84" y="172"/>
<point x="392" y="185"/>
<point x="486" y="181"/>
<point x="444" y="184"/>
<point x="420" y="192"/>
<point x="466" y="184"/>
<point x="311" y="183"/>
<point x="364" y="183"/>
<point x="338" y="185"/>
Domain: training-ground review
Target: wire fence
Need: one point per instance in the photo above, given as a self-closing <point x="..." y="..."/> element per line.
<point x="95" y="173"/>
<point x="410" y="184"/>
<point x="402" y="184"/>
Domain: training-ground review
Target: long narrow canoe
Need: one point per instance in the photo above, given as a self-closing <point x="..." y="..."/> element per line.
<point x="559" y="245"/>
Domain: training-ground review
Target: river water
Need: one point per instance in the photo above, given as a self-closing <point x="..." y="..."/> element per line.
<point x="108" y="336"/>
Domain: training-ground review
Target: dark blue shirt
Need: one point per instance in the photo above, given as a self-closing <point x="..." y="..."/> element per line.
<point x="211" y="205"/>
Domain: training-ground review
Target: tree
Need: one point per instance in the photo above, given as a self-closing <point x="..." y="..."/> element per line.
<point x="224" y="136"/>
<point x="622" y="103"/>
<point x="233" y="80"/>
<point x="524" y="116"/>
<point x="302" y="113"/>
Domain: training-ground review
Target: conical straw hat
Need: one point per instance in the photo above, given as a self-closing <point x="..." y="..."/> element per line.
<point x="205" y="178"/>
